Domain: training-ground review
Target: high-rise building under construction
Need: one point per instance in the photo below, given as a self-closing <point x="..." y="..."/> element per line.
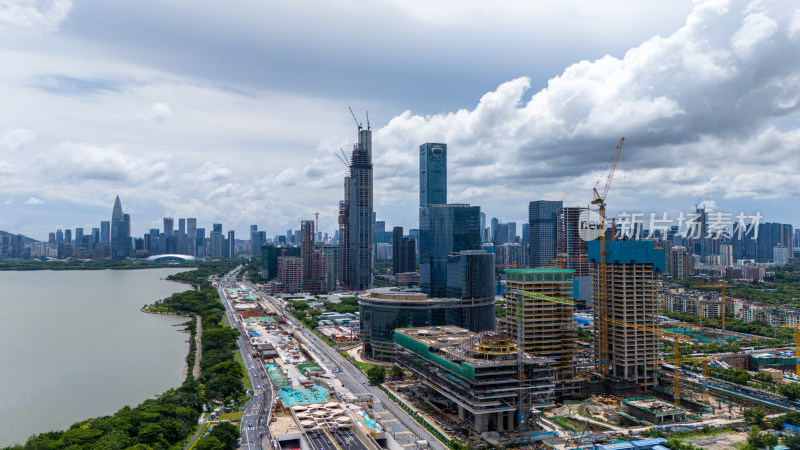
<point x="539" y="311"/>
<point x="359" y="215"/>
<point x="625" y="312"/>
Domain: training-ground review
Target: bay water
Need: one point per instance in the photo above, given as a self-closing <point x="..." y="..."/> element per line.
<point x="75" y="345"/>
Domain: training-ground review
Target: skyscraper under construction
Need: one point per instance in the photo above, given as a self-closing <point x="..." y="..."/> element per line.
<point x="355" y="217"/>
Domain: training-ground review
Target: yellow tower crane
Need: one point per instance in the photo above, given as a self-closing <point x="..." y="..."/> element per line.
<point x="599" y="199"/>
<point x="676" y="358"/>
<point x="796" y="346"/>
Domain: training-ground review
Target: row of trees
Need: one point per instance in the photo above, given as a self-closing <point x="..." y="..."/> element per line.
<point x="167" y="421"/>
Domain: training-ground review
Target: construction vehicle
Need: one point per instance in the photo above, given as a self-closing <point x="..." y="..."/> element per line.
<point x="599" y="199"/>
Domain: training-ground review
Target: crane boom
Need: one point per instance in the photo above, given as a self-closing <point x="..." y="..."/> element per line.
<point x="602" y="198"/>
<point x="354" y="117"/>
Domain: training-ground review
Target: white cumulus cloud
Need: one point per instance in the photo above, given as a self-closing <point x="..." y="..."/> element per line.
<point x="157" y="112"/>
<point x="41" y="15"/>
<point x="34" y="201"/>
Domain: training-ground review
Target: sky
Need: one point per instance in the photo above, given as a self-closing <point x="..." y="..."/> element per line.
<point x="234" y="111"/>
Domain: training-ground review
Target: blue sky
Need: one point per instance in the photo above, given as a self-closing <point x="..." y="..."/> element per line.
<point x="232" y="111"/>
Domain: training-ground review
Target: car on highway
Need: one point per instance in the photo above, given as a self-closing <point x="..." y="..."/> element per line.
<point x="251" y="424"/>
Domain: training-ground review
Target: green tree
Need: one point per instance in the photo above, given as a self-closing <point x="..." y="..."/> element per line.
<point x="226" y="433"/>
<point x="754" y="415"/>
<point x="769" y="440"/>
<point x="210" y="443"/>
<point x="790" y="390"/>
<point x="397" y="372"/>
<point x="792" y="440"/>
<point x="376" y="374"/>
<point x="754" y="439"/>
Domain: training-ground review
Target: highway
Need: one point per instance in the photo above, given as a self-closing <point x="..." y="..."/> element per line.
<point x="397" y="422"/>
<point x="254" y="426"/>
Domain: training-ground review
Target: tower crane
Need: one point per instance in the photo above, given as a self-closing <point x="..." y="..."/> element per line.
<point x="600" y="200"/>
<point x="676" y="358"/>
<point x="316" y="222"/>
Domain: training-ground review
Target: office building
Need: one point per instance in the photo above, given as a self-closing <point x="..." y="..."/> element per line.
<point x="257" y="239"/>
<point x="230" y="245"/>
<point x="572" y="253"/>
<point x="444" y="230"/>
<point x="539" y="309"/>
<point x="120" y="232"/>
<point x="361" y="226"/>
<point x="191" y="236"/>
<point x="216" y="242"/>
<point x="432" y="174"/>
<point x="470" y="278"/>
<point x="482" y="378"/>
<point x="307" y="250"/>
<point x="105" y="231"/>
<point x="543" y="222"/>
<point x="630" y="355"/>
<point x="403" y="252"/>
<point x="68" y="236"/>
<point x="182" y="241"/>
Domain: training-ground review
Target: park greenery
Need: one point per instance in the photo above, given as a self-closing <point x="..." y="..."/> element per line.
<point x="779" y="335"/>
<point x="167" y="421"/>
<point x="783" y="288"/>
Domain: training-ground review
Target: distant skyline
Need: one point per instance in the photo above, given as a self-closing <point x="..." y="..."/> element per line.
<point x="233" y="112"/>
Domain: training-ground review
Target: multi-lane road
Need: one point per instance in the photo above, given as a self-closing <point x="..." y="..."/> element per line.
<point x="397" y="422"/>
<point x="254" y="425"/>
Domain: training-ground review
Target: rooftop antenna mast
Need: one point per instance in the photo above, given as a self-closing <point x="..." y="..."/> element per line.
<point x="358" y="124"/>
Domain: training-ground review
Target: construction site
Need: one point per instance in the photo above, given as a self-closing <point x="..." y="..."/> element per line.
<point x="532" y="381"/>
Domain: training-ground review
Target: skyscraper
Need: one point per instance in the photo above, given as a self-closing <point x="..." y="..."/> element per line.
<point x="543" y="220"/>
<point x="255" y="242"/>
<point x="432" y="174"/>
<point x="630" y="353"/>
<point x="230" y="245"/>
<point x="343" y="272"/>
<point x="182" y="236"/>
<point x="307" y="249"/>
<point x="216" y="241"/>
<point x="397" y="242"/>
<point x="105" y="231"/>
<point x="191" y="236"/>
<point x="444" y="230"/>
<point x="361" y="215"/>
<point x="120" y="232"/>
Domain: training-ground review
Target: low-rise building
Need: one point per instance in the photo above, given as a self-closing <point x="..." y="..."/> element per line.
<point x="477" y="374"/>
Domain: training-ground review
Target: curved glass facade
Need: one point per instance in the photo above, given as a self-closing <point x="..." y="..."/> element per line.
<point x="383" y="310"/>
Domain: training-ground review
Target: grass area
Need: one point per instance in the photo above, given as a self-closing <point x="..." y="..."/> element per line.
<point x="577" y="426"/>
<point x="233" y="416"/>
<point x="245" y="378"/>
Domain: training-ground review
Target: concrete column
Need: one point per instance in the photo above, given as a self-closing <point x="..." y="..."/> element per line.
<point x="481" y="423"/>
<point x="501" y="424"/>
<point x="462" y="413"/>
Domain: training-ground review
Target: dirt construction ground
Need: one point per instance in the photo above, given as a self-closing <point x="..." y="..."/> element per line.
<point x="719" y="442"/>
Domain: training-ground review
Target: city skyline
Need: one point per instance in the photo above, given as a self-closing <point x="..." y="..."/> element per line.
<point x="87" y="121"/>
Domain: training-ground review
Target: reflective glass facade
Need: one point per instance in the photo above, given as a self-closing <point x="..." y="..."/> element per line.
<point x="432" y="174"/>
<point x="444" y="230"/>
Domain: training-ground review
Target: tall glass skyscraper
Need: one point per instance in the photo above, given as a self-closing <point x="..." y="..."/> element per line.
<point x="432" y="174"/>
<point x="120" y="232"/>
<point x="543" y="222"/>
<point x="445" y="229"/>
<point x="360" y="215"/>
